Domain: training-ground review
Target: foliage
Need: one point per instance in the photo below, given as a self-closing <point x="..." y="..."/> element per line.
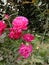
<point x="37" y="13"/>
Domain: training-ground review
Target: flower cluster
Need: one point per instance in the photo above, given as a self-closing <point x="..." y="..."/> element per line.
<point x="19" y="24"/>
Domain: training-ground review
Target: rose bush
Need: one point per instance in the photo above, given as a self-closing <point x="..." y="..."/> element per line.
<point x="19" y="25"/>
<point x="18" y="22"/>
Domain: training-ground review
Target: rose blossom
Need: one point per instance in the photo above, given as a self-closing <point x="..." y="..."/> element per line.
<point x="14" y="34"/>
<point x="6" y="16"/>
<point x="25" y="50"/>
<point x="19" y="58"/>
<point x="20" y="22"/>
<point x="28" y="37"/>
<point x="2" y="26"/>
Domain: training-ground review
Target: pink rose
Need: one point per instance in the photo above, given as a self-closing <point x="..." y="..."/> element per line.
<point x="25" y="50"/>
<point x="18" y="59"/>
<point x="14" y="34"/>
<point x="2" y="26"/>
<point x="20" y="22"/>
<point x="28" y="37"/>
<point x="6" y="16"/>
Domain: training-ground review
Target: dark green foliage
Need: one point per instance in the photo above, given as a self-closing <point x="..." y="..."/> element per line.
<point x="36" y="14"/>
